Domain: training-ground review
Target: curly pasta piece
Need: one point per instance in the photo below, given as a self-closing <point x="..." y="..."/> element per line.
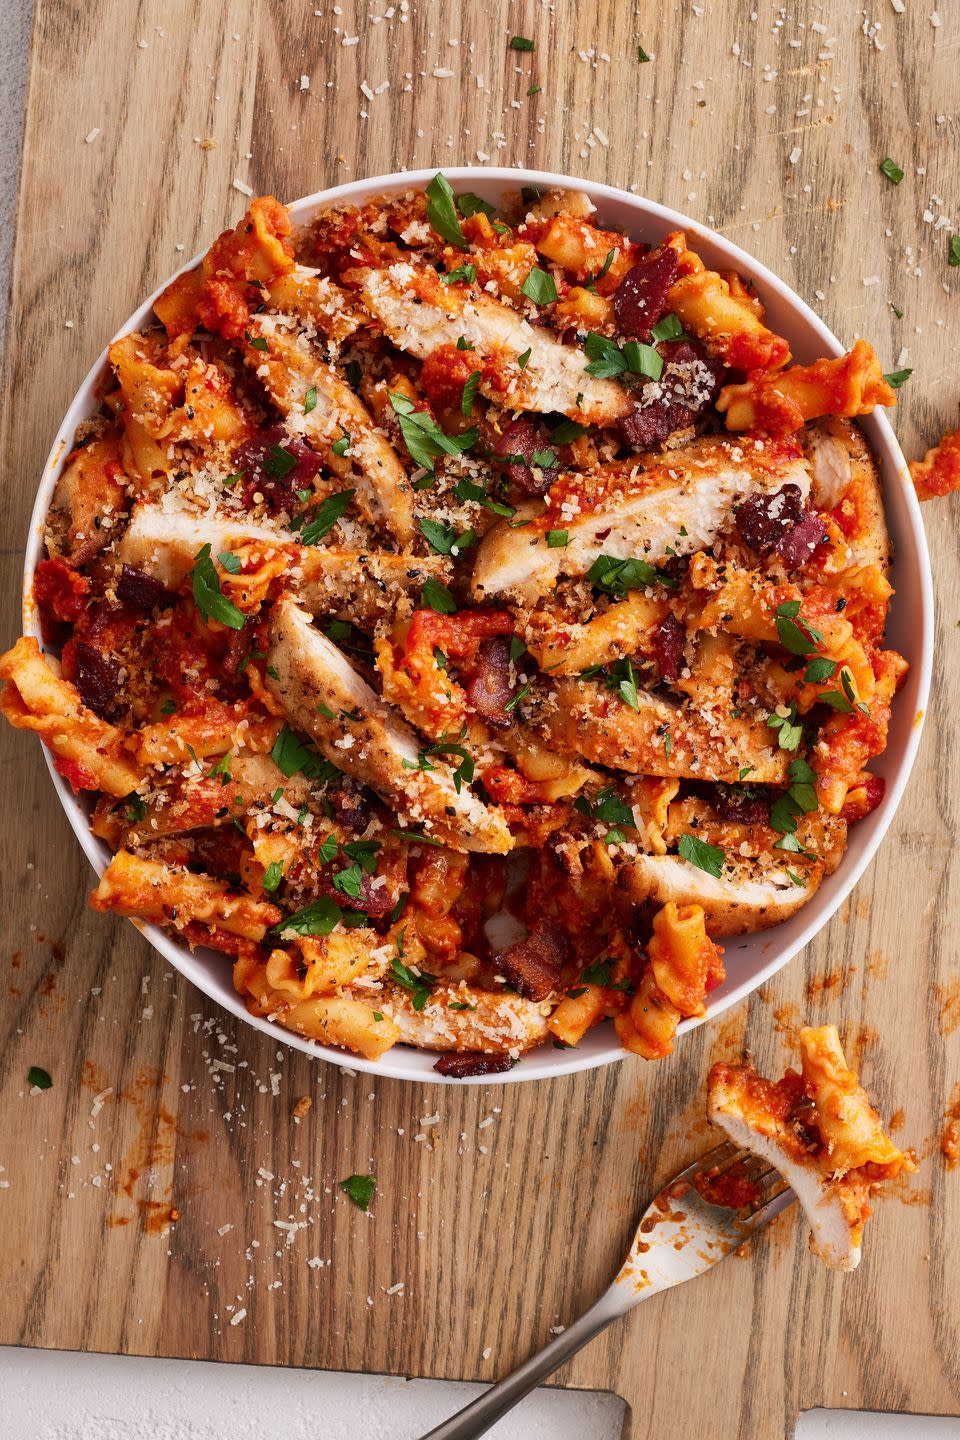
<point x="852" y="384"/>
<point x="938" y="473"/>
<point x="723" y="316"/>
<point x="89" y="752"/>
<point x="684" y="960"/>
<point x="148" y="890"/>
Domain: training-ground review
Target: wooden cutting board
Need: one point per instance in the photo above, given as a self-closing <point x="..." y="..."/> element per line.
<point x="501" y="1211"/>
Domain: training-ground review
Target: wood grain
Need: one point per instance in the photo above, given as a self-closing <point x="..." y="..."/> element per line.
<point x="497" y="1230"/>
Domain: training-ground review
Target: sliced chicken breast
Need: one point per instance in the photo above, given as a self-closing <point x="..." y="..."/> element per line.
<point x="362" y="587"/>
<point x="832" y="1212"/>
<point x="759" y="895"/>
<point x="843" y="469"/>
<point x="289" y="368"/>
<point x="582" y="717"/>
<point x="675" y="503"/>
<point x="418" y="313"/>
<point x="362" y="736"/>
<point x="493" y="1023"/>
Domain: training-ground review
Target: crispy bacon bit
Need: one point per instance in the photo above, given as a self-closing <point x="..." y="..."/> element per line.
<point x="97" y="678"/>
<point x="641" y="297"/>
<point x="254" y="460"/>
<point x="458" y="1066"/>
<point x="524" y="437"/>
<point x="780" y="524"/>
<point x="689" y="384"/>
<point x="741" y="804"/>
<point x="668" y="642"/>
<point x="533" y="965"/>
<point x="489" y="691"/>
<point x="352" y="803"/>
<point x="140" y="591"/>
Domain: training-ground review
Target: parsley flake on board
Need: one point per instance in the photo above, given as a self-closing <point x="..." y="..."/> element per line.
<point x="39" y="1077"/>
<point x="207" y="595"/>
<point x="953" y="250"/>
<point x="442" y="212"/>
<point x="642" y="55"/>
<point x="892" y="170"/>
<point x="520" y="42"/>
<point x="706" y="857"/>
<point x="359" y="1189"/>
<point x="896" y="378"/>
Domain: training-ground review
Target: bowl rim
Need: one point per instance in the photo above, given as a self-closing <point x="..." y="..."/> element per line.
<point x="408" y="1063"/>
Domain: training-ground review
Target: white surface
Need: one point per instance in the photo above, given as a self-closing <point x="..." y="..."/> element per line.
<point x="867" y="1425"/>
<point x="55" y="1395"/>
<point x="750" y="960"/>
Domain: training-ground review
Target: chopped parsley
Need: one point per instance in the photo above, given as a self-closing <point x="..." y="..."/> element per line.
<point x="607" y="805"/>
<point x="524" y="359"/>
<point x="317" y="918"/>
<point x="642" y="55"/>
<point x="953" y="250"/>
<point x="789" y="732"/>
<point x="469" y="392"/>
<point x="520" y="42"/>
<point x="798" y="639"/>
<point x="706" y="857"/>
<point x="341" y="446"/>
<point x="616" y="576"/>
<point x="229" y="562"/>
<point x="424" y="439"/>
<point x="669" y="328"/>
<point x="207" y="595"/>
<point x="627" y="688"/>
<point x="892" y="170"/>
<point x="310" y="400"/>
<point x="469" y="204"/>
<point x="437" y="597"/>
<point x="418" y="984"/>
<point x="359" y="1188"/>
<point x="272" y="876"/>
<point x="442" y="212"/>
<point x="896" y="378"/>
<point x="607" y="360"/>
<point x="466" y="273"/>
<point x="445" y="538"/>
<point x="540" y="287"/>
<point x="279" y="462"/>
<point x="557" y="539"/>
<point x="39" y="1077"/>
<point x="327" y="514"/>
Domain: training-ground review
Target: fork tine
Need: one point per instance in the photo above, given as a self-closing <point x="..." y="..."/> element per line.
<point x="777" y="1203"/>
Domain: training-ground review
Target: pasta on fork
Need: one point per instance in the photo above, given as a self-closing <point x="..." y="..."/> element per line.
<point x="462" y="619"/>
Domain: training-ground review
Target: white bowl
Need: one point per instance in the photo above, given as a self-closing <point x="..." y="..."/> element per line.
<point x="751" y="959"/>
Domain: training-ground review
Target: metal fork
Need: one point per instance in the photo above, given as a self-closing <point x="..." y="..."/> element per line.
<point x="681" y="1234"/>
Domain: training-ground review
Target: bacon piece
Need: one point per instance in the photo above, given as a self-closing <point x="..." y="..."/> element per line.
<point x="668" y="640"/>
<point x="259" y="464"/>
<point x="533" y="965"/>
<point x="139" y="590"/>
<point x="524" y="437"/>
<point x="458" y="1066"/>
<point x="96" y="676"/>
<point x="490" y="690"/>
<point x="739" y="803"/>
<point x="688" y="386"/>
<point x="780" y="524"/>
<point x="641" y="297"/>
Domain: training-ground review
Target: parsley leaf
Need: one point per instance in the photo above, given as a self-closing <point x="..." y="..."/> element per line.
<point x="207" y="596"/>
<point x="310" y="400"/>
<point x="540" y="287"/>
<point x="469" y="391"/>
<point x="39" y="1077"/>
<point x="469" y="204"/>
<point x="442" y="212"/>
<point x="617" y="576"/>
<point x="327" y="515"/>
<point x="896" y="378"/>
<point x="706" y="857"/>
<point x="892" y="170"/>
<point x="520" y="42"/>
<point x="557" y="539"/>
<point x="669" y="328"/>
<point x="279" y="462"/>
<point x="424" y="439"/>
<point x="317" y="918"/>
<point x="437" y="597"/>
<point x="418" y="985"/>
<point x="341" y="446"/>
<point x="466" y="273"/>
<point x="953" y="250"/>
<point x="272" y="876"/>
<point x="444" y="538"/>
<point x="359" y="1189"/>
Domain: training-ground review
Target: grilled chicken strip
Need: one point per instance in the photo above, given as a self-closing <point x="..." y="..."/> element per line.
<point x="635" y="509"/>
<point x="484" y="1021"/>
<point x="582" y="717"/>
<point x="289" y="368"/>
<point x="418" y="313"/>
<point x="349" y="584"/>
<point x="842" y="469"/>
<point x="732" y="906"/>
<point x="362" y="736"/>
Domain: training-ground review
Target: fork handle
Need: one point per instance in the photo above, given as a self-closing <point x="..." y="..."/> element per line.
<point x="477" y="1417"/>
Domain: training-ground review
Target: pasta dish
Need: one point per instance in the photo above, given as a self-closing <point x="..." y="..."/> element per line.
<point x="462" y="620"/>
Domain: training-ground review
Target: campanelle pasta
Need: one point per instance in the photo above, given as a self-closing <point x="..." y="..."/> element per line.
<point x="462" y="620"/>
